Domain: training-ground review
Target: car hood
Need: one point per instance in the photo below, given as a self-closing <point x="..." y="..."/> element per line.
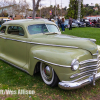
<point x="65" y="41"/>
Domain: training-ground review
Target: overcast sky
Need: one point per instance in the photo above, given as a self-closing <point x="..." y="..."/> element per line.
<point x="64" y="2"/>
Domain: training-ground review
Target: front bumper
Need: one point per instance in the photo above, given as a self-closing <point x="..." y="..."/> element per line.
<point x="67" y="85"/>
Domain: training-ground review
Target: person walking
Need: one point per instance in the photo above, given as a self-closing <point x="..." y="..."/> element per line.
<point x="70" y="23"/>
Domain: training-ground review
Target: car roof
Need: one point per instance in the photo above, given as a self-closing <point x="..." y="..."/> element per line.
<point x="28" y="22"/>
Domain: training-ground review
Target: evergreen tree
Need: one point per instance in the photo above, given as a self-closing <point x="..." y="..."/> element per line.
<point x="73" y="9"/>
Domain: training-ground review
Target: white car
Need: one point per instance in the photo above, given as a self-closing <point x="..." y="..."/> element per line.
<point x="74" y="25"/>
<point x="66" y="24"/>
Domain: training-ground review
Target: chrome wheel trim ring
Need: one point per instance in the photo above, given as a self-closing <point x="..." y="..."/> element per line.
<point x="47" y="77"/>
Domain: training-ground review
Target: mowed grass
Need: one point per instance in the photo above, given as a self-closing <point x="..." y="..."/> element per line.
<point x="13" y="79"/>
<point x="85" y="32"/>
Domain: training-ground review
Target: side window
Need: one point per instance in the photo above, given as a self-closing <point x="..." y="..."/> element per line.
<point x="38" y="28"/>
<point x="15" y="30"/>
<point x="3" y="29"/>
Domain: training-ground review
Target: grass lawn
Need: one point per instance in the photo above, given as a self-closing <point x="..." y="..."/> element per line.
<point x="14" y="79"/>
<point x="85" y="32"/>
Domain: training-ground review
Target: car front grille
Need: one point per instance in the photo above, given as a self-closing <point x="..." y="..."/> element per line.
<point x="87" y="68"/>
<point x="90" y="64"/>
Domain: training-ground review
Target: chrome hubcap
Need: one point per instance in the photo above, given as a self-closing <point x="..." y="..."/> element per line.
<point x="47" y="73"/>
<point x="47" y="70"/>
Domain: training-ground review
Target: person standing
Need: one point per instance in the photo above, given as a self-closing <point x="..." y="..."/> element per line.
<point x="70" y="23"/>
<point x="59" y="22"/>
<point x="62" y="25"/>
<point x="2" y="21"/>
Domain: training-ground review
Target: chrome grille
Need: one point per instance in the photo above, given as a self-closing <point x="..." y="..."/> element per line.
<point x="87" y="67"/>
<point x="99" y="58"/>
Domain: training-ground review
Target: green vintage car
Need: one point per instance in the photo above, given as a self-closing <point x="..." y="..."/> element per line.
<point x="38" y="45"/>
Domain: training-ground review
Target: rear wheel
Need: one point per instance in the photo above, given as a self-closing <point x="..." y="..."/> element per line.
<point x="48" y="75"/>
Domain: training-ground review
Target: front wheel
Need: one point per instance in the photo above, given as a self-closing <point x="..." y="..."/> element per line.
<point x="48" y="75"/>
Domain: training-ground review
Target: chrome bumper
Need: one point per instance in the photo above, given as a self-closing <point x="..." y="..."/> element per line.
<point x="67" y="85"/>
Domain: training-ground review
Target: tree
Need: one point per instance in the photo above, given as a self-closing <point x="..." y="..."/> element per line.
<point x="73" y="9"/>
<point x="22" y="7"/>
<point x="35" y="7"/>
<point x="14" y="8"/>
<point x="97" y="5"/>
<point x="90" y="11"/>
<point x="87" y="5"/>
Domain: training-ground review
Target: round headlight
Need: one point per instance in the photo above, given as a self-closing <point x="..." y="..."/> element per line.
<point x="74" y="64"/>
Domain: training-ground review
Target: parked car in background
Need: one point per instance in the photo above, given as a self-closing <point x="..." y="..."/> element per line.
<point x="94" y="23"/>
<point x="80" y="24"/>
<point x="4" y="20"/>
<point x="66" y="24"/>
<point x="38" y="46"/>
<point x="97" y="25"/>
<point x="88" y="23"/>
<point x="74" y="25"/>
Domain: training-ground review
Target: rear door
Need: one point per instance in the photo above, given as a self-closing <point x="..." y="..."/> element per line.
<point x="2" y="41"/>
<point x="15" y="45"/>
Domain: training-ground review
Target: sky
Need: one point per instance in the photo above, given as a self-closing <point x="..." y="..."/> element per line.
<point x="64" y="2"/>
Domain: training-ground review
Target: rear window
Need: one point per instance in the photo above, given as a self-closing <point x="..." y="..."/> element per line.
<point x="15" y="30"/>
<point x="3" y="29"/>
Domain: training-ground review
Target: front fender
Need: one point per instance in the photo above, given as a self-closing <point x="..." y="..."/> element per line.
<point x="58" y="56"/>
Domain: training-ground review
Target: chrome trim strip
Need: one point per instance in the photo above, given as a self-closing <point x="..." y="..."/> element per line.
<point x="95" y="54"/>
<point x="87" y="61"/>
<point x="98" y="55"/>
<point x="68" y="85"/>
<point x="51" y="62"/>
<point x="94" y="78"/>
<point x="77" y="74"/>
<point x="98" y="65"/>
<point x="15" y="40"/>
<point x="78" y="78"/>
<point x="11" y="39"/>
<point x="98" y="68"/>
<point x="42" y="43"/>
<point x="14" y="65"/>
<point x="88" y="66"/>
<point x="3" y="37"/>
<point x="98" y="62"/>
<point x="53" y="45"/>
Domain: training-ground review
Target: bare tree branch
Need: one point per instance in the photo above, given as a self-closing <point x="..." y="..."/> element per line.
<point x="35" y="7"/>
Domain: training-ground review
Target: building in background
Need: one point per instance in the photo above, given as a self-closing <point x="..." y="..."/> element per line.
<point x="13" y="10"/>
<point x="92" y="17"/>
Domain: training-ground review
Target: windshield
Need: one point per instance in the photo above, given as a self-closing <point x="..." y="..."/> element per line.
<point x="52" y="28"/>
<point x="42" y="28"/>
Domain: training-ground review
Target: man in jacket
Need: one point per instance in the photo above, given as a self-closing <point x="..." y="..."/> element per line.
<point x="70" y="23"/>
